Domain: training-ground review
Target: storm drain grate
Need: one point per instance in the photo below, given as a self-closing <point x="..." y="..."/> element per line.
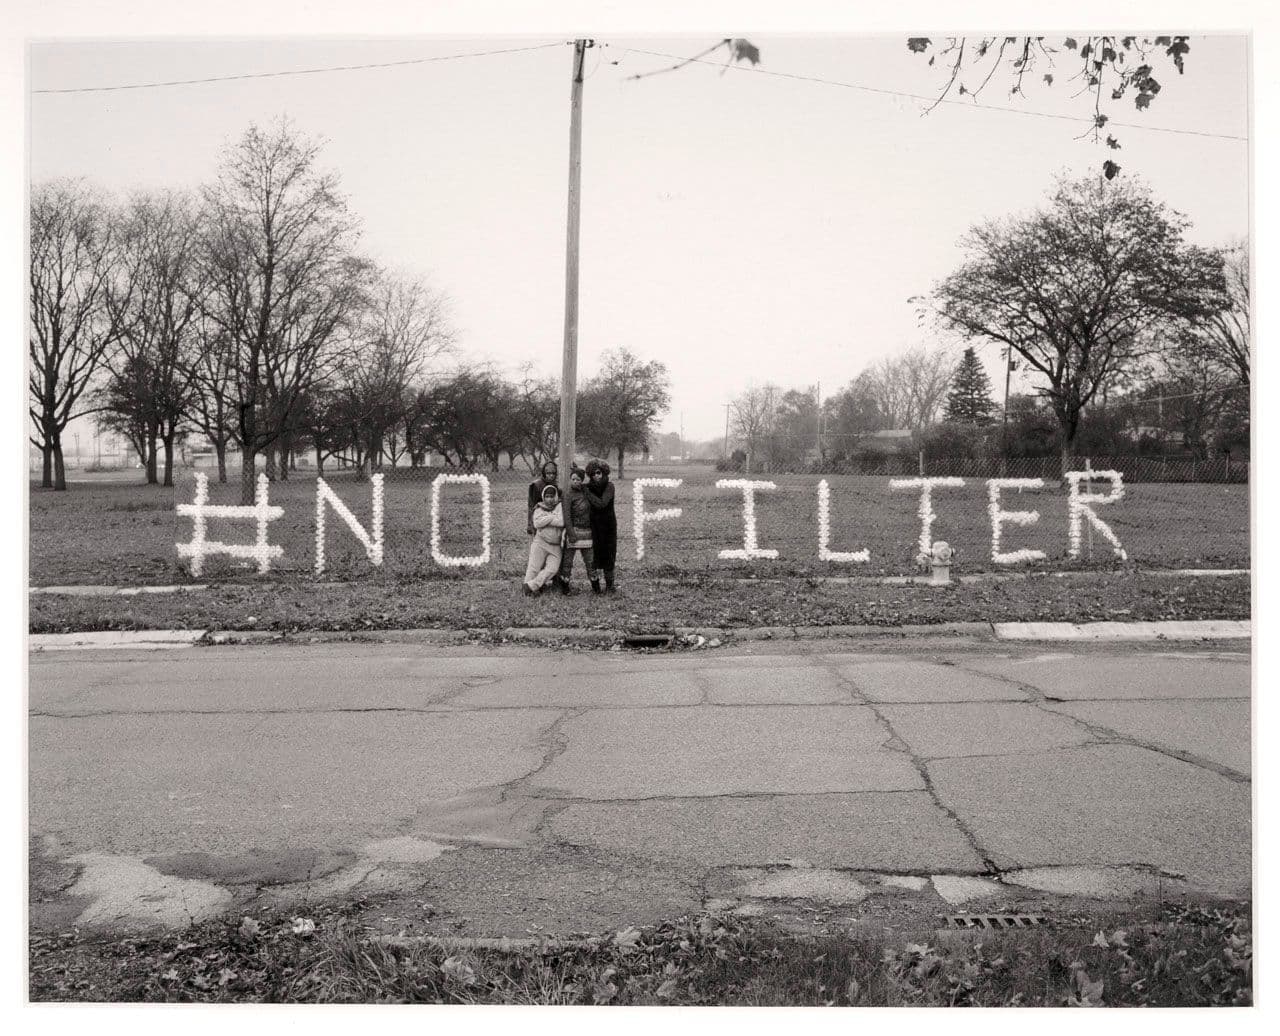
<point x="995" y="920"/>
<point x="648" y="640"/>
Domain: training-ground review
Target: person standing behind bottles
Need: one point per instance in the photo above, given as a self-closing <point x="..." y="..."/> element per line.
<point x="577" y="533"/>
<point x="604" y="522"/>
<point x="550" y="475"/>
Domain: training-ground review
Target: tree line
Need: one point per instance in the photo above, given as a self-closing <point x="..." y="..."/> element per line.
<point x="1097" y="296"/>
<point x="246" y="313"/>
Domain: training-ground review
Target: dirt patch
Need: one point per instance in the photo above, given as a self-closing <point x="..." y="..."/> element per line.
<point x="256" y="867"/>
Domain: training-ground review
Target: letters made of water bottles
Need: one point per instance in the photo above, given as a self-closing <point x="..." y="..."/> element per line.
<point x="1081" y="504"/>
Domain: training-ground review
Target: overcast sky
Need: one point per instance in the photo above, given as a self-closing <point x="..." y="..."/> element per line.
<point x="741" y="227"/>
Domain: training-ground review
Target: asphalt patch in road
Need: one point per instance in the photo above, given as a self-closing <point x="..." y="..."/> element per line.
<point x="255" y="867"/>
<point x="526" y="893"/>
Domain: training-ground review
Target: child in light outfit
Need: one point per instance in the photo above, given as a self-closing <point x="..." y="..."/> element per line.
<point x="545" y="550"/>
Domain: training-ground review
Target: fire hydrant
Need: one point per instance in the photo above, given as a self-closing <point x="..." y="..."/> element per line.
<point x="940" y="563"/>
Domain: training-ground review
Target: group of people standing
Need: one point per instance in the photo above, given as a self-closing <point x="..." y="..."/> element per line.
<point x="591" y="529"/>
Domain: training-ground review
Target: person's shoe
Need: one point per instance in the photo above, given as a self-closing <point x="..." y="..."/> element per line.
<point x="530" y="591"/>
<point x="564" y="586"/>
<point x="595" y="586"/>
<point x="609" y="588"/>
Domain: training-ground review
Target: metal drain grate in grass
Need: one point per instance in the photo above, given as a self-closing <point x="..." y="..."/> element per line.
<point x="995" y="920"/>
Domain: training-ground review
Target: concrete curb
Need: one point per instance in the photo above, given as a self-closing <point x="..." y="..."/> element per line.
<point x="710" y="637"/>
<point x="1206" y="629"/>
<point x="581" y="636"/>
<point x="105" y="640"/>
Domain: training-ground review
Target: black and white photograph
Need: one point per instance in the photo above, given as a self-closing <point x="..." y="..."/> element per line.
<point x="699" y="514"/>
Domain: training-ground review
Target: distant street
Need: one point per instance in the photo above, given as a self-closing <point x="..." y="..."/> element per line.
<point x="530" y="790"/>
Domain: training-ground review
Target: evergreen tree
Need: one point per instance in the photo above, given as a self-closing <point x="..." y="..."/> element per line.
<point x="969" y="401"/>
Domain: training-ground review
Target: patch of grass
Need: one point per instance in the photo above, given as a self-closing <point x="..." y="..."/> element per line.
<point x="101" y="532"/>
<point x="1189" y="956"/>
<point x="382" y="603"/>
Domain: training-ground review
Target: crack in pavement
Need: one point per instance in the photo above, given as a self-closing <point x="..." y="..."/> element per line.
<point x="1105" y="735"/>
<point x="1030" y="692"/>
<point x="563" y="801"/>
<point x="1037" y="699"/>
<point x="554" y="742"/>
<point x="894" y="742"/>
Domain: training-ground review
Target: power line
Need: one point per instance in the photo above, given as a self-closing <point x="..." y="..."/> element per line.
<point x="298" y="71"/>
<point x="1119" y="403"/>
<point x="927" y="99"/>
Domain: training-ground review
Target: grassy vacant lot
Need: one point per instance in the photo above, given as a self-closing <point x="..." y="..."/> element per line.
<point x="379" y="603"/>
<point x="1187" y="956"/>
<point x="125" y="534"/>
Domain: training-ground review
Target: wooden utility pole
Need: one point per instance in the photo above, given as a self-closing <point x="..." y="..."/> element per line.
<point x="569" y="370"/>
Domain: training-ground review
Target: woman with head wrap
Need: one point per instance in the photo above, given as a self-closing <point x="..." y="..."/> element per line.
<point x="604" y="522"/>
<point x="550" y="473"/>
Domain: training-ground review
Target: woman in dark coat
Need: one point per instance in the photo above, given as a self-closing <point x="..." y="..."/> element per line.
<point x="604" y="522"/>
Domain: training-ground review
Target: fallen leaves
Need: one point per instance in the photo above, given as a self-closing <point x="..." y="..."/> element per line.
<point x="1086" y="992"/>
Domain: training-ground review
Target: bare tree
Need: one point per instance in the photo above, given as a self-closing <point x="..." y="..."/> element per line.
<point x="908" y="389"/>
<point x="403" y="330"/>
<point x="155" y="297"/>
<point x="73" y="249"/>
<point x="1227" y="332"/>
<point x="211" y="367"/>
<point x="753" y="417"/>
<point x="926" y="376"/>
<point x="537" y="419"/>
<point x="889" y="389"/>
<point x="284" y="282"/>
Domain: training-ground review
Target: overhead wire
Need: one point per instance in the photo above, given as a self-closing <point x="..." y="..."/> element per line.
<point x="297" y="71"/>
<point x="884" y="91"/>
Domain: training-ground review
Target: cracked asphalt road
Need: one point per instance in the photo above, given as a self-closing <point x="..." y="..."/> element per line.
<point x="529" y="791"/>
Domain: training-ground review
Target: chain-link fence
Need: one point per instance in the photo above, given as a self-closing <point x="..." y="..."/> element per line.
<point x="1161" y="468"/>
<point x="126" y="533"/>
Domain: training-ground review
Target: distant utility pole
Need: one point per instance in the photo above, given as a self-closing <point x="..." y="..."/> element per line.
<point x="682" y="436"/>
<point x="1004" y="428"/>
<point x="569" y="370"/>
<point x="726" y="430"/>
<point x="817" y="392"/>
